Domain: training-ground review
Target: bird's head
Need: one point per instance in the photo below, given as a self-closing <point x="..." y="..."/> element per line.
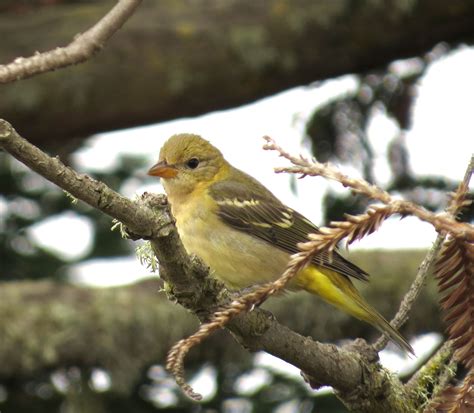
<point x="187" y="161"/>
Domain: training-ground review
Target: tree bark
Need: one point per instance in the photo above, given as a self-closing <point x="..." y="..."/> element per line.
<point x="126" y="329"/>
<point x="353" y="371"/>
<point x="47" y="326"/>
<point x="179" y="58"/>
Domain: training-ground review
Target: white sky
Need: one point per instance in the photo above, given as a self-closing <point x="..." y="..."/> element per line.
<point x="442" y="138"/>
<point x="443" y="110"/>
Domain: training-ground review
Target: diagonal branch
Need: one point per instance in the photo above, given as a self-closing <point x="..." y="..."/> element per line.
<point x="413" y="292"/>
<point x="83" y="187"/>
<point x="454" y="269"/>
<point x="458" y="201"/>
<point x="83" y="46"/>
<point x="328" y="365"/>
<point x="442" y="222"/>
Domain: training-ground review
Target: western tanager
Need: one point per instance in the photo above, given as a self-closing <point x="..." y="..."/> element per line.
<point x="245" y="234"/>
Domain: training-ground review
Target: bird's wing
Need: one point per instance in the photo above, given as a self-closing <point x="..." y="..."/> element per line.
<point x="261" y="214"/>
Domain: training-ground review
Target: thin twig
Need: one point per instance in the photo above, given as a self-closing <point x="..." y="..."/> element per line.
<point x="80" y="49"/>
<point x="413" y="292"/>
<point x="457" y="202"/>
<point x="337" y="231"/>
<point x="354" y="228"/>
<point x="443" y="222"/>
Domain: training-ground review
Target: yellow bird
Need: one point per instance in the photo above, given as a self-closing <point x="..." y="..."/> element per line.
<point x="245" y="234"/>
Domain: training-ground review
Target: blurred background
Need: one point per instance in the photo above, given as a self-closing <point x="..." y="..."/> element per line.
<point x="382" y="90"/>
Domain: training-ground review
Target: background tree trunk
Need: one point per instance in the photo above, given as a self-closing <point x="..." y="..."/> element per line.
<point x="179" y="58"/>
<point x="64" y="325"/>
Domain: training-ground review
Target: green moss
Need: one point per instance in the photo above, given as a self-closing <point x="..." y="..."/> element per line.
<point x="432" y="377"/>
<point x="147" y="257"/>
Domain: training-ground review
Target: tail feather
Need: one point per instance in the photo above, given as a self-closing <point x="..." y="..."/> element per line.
<point x="380" y="323"/>
<point x="339" y="291"/>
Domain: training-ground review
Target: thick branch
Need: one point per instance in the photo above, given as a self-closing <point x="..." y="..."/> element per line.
<point x="290" y="310"/>
<point x="59" y="316"/>
<point x="326" y="364"/>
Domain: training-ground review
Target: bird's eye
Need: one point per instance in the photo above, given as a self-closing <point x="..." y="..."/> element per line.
<point x="192" y="163"/>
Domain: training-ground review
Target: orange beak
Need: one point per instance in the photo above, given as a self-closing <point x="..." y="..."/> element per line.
<point x="163" y="170"/>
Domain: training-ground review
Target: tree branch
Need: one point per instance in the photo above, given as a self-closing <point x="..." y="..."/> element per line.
<point x="80" y="49"/>
<point x="92" y="192"/>
<point x="456" y="204"/>
<point x="433" y="376"/>
<point x="59" y="316"/>
<point x="414" y="291"/>
<point x="442" y="222"/>
<point x="360" y="382"/>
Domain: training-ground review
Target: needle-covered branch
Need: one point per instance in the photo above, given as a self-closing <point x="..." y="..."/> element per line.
<point x="442" y="222"/>
<point x="458" y="201"/>
<point x="80" y="49"/>
<point x="454" y="268"/>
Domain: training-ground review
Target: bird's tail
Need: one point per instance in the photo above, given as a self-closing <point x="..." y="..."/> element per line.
<point x="339" y="291"/>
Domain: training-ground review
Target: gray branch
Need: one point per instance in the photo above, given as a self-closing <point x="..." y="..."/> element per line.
<point x="80" y="49"/>
<point x="360" y="381"/>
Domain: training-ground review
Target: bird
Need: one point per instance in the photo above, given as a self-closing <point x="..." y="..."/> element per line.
<point x="246" y="235"/>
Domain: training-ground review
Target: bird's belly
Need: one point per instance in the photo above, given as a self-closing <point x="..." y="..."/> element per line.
<point x="238" y="259"/>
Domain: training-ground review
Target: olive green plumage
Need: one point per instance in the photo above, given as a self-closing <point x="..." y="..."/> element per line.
<point x="246" y="235"/>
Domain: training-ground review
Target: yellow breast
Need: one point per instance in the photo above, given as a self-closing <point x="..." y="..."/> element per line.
<point x="236" y="258"/>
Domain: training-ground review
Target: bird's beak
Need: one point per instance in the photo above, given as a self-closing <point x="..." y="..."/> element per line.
<point x="163" y="170"/>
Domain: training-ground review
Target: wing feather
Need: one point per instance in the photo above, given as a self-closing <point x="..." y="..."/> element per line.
<point x="256" y="211"/>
